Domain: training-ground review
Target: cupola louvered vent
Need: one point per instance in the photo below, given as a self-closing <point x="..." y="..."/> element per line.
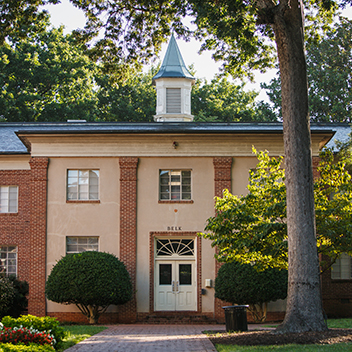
<point x="173" y="100"/>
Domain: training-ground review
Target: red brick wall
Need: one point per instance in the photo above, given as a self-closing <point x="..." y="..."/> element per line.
<point x="315" y="165"/>
<point x="128" y="230"/>
<point x="26" y="229"/>
<point x="337" y="296"/>
<point x="15" y="227"/>
<point x="222" y="180"/>
<point x="36" y="303"/>
<point x="78" y="317"/>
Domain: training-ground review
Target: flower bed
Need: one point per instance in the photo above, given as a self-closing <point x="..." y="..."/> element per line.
<point x="38" y="330"/>
<point x="25" y="336"/>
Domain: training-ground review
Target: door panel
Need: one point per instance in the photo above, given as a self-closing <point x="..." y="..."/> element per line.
<point x="164" y="294"/>
<point x="175" y="285"/>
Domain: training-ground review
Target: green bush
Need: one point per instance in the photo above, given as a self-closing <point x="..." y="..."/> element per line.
<point x="47" y="324"/>
<point x="8" y="347"/>
<point x="20" y="301"/>
<point x="7" y="294"/>
<point x="242" y="284"/>
<point x="90" y="280"/>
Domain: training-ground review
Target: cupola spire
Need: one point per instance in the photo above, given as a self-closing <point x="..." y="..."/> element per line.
<point x="173" y="84"/>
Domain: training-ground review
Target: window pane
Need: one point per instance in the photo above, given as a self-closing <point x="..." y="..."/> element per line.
<point x="186" y="181"/>
<point x="164" y="180"/>
<point x="185" y="274"/>
<point x="71" y="248"/>
<point x="72" y="173"/>
<point x="83" y="191"/>
<point x="175" y="189"/>
<point x="186" y="189"/>
<point x="165" y="274"/>
<point x="164" y="189"/>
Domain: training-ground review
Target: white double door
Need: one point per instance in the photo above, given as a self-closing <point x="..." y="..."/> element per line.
<point x="175" y="285"/>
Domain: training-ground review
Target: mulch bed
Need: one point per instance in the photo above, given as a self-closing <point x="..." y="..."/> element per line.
<point x="266" y="338"/>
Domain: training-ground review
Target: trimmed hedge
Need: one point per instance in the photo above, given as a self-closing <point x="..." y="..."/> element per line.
<point x="8" y="347"/>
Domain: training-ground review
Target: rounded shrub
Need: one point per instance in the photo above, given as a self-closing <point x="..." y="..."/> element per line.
<point x="90" y="280"/>
<point x="242" y="284"/>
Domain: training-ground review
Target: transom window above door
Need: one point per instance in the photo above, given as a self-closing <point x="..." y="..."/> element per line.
<point x="175" y="185"/>
<point x="177" y="246"/>
<point x="82" y="184"/>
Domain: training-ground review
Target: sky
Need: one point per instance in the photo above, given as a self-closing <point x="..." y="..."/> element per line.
<point x="66" y="14"/>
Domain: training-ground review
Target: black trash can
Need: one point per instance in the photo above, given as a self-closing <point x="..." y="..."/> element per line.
<point x="236" y="318"/>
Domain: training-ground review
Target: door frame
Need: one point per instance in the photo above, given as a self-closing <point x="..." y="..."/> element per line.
<point x="198" y="261"/>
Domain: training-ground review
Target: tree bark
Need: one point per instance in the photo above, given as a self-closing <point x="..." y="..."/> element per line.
<point x="304" y="302"/>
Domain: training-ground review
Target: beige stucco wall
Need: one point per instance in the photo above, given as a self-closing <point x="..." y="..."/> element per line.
<point x="14" y="162"/>
<point x="155" y="217"/>
<point x="69" y="219"/>
<point x="79" y="219"/>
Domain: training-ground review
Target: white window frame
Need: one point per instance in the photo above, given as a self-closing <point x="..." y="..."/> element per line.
<point x="342" y="268"/>
<point x="82" y="244"/>
<point x="82" y="182"/>
<point x="8" y="199"/>
<point x="8" y="260"/>
<point x="166" y="184"/>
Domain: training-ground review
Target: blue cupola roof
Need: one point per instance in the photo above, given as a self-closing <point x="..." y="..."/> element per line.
<point x="173" y="65"/>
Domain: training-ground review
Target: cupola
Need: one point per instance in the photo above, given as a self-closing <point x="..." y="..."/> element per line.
<point x="173" y="84"/>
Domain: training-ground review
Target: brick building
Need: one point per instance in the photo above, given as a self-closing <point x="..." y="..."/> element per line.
<point x="141" y="191"/>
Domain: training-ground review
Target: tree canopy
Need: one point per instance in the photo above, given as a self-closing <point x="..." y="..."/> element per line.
<point x="329" y="76"/>
<point x="48" y="77"/>
<point x="252" y="228"/>
<point x="224" y="101"/>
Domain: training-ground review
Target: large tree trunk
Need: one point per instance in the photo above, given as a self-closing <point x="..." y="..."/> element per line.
<point x="304" y="303"/>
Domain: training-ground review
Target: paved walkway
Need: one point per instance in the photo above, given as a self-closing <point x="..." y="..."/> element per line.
<point x="149" y="338"/>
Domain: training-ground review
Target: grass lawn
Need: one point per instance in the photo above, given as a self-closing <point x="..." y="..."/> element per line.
<point x="332" y="323"/>
<point x="77" y="333"/>
<point x="339" y="347"/>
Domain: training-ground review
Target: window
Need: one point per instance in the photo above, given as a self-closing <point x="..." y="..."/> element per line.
<point x="174" y="246"/>
<point x="8" y="257"/>
<point x="173" y="100"/>
<point x="8" y="199"/>
<point x="175" y="185"/>
<point x="82" y="184"/>
<point x="81" y="244"/>
<point x="341" y="269"/>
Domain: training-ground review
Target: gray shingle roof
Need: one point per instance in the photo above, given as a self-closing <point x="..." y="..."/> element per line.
<point x="173" y="65"/>
<point x="11" y="144"/>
